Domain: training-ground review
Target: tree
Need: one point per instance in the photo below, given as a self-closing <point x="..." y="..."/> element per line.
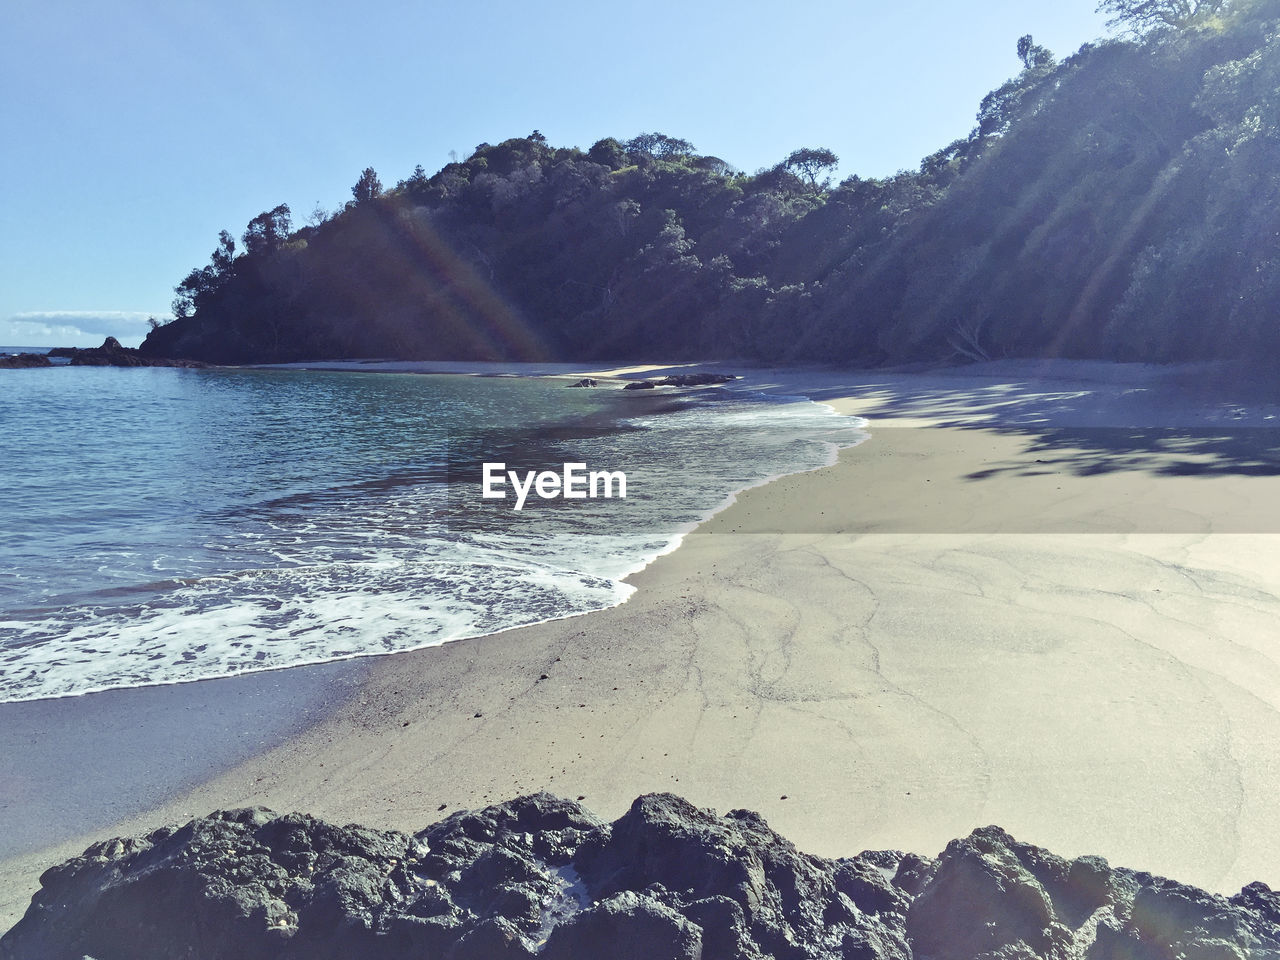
<point x="810" y="163"/>
<point x="416" y="186"/>
<point x="1142" y="16"/>
<point x="608" y="152"/>
<point x="1032" y="55"/>
<point x="197" y="286"/>
<point x="268" y="231"/>
<point x="659" y="145"/>
<point x="1243" y="97"/>
<point x="223" y="258"/>
<point x="368" y="187"/>
<point x="715" y="166"/>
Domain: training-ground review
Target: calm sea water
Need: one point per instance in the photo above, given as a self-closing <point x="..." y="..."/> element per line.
<point x="167" y="525"/>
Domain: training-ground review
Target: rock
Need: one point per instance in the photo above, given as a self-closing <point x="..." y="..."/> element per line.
<point x="696" y="379"/>
<point x="493" y="939"/>
<point x="752" y="889"/>
<point x="112" y="354"/>
<point x="992" y="898"/>
<point x="982" y="900"/>
<point x="627" y="926"/>
<point x="541" y="877"/>
<point x="18" y="361"/>
<point x="679" y="380"/>
<point x="585" y="382"/>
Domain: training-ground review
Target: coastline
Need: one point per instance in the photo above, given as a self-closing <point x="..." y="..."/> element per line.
<point x="680" y="486"/>
<point x="901" y="665"/>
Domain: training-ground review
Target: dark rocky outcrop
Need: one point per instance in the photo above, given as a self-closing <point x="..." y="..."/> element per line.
<point x="696" y="379"/>
<point x="682" y="380"/>
<point x="584" y="382"/>
<point x="541" y="876"/>
<point x="112" y="354"/>
<point x="19" y="361"/>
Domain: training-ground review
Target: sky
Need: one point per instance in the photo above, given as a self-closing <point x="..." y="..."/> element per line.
<point x="132" y="132"/>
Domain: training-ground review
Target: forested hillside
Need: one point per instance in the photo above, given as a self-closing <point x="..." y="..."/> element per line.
<point x="1121" y="203"/>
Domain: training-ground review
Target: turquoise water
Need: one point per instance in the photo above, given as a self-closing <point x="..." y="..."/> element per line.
<point x="167" y="525"/>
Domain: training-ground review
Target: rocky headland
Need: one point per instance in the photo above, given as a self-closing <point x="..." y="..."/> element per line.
<point x="112" y="354"/>
<point x="541" y="876"/>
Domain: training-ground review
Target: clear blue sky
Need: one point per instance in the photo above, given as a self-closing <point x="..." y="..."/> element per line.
<point x="134" y="131"/>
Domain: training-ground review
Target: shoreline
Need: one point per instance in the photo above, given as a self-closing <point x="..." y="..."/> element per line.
<point x="672" y="539"/>
<point x="795" y="645"/>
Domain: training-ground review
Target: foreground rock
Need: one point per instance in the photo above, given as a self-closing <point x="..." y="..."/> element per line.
<point x="112" y="354"/>
<point x="540" y="876"/>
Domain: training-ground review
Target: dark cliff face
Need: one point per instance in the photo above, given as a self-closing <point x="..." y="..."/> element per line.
<point x="540" y="876"/>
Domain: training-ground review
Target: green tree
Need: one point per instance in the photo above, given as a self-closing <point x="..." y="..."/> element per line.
<point x="715" y="166"/>
<point x="224" y="256"/>
<point x="608" y="152"/>
<point x="659" y="145"/>
<point x="811" y="163"/>
<point x="202" y="282"/>
<point x="1032" y="55"/>
<point x="1142" y="16"/>
<point x="268" y="231"/>
<point x="183" y="304"/>
<point x="368" y="187"/>
<point x="417" y="186"/>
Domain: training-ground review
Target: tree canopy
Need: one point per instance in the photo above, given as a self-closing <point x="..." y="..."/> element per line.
<point x="659" y="145"/>
<point x="811" y="163"/>
<point x="368" y="187"/>
<point x="1032" y="55"/>
<point x="1140" y="16"/>
<point x="267" y="232"/>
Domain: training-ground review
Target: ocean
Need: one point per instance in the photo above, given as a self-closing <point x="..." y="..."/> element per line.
<point x="165" y="525"/>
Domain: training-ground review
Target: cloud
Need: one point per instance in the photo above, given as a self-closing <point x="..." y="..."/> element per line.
<point x="75" y="328"/>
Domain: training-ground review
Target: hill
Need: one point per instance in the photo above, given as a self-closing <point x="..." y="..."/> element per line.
<point x="1122" y="203"/>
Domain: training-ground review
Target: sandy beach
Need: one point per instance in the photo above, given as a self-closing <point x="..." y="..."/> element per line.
<point x="1045" y="596"/>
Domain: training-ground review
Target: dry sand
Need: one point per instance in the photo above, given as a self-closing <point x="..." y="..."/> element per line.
<point x="1045" y="596"/>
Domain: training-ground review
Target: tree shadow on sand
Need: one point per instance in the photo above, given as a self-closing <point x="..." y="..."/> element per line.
<point x="1170" y="452"/>
<point x="1088" y="419"/>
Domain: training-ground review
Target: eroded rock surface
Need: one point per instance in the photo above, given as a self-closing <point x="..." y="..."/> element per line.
<point x="541" y="876"/>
